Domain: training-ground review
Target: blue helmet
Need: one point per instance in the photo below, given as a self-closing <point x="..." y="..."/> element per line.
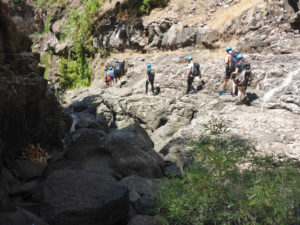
<point x="148" y="65"/>
<point x="228" y="48"/>
<point x="110" y="68"/>
<point x="189" y="58"/>
<point x="240" y="56"/>
<point x="116" y="61"/>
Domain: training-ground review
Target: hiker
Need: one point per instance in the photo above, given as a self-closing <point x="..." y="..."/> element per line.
<point x="117" y="71"/>
<point x="106" y="77"/>
<point x="111" y="75"/>
<point x="242" y="78"/>
<point x="230" y="65"/>
<point x="192" y="71"/>
<point x="150" y="79"/>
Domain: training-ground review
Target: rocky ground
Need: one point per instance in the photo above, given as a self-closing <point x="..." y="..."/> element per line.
<point x="271" y="122"/>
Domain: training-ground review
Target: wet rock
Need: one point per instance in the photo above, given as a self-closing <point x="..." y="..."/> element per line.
<point x="67" y="199"/>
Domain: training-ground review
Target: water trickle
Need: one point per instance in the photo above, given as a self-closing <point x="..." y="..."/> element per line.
<point x="281" y="88"/>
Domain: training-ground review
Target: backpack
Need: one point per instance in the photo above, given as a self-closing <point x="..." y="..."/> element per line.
<point x="233" y="59"/>
<point x="107" y="76"/>
<point x="151" y="73"/>
<point x="245" y="75"/>
<point x="117" y="67"/>
<point x="196" y="70"/>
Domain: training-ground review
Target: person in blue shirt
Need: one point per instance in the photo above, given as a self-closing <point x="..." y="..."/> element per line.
<point x="150" y="79"/>
<point x="111" y="74"/>
<point x="117" y="71"/>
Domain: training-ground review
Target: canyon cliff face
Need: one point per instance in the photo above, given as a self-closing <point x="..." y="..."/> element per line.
<point x="27" y="106"/>
<point x="29" y="113"/>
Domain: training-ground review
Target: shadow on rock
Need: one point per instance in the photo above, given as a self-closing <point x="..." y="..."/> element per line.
<point x="157" y="91"/>
<point x="123" y="83"/>
<point x="250" y="98"/>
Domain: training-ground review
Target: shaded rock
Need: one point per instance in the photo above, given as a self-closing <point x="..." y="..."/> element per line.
<point x="68" y="121"/>
<point x="26" y="188"/>
<point x="102" y="123"/>
<point x="83" y="197"/>
<point x="144" y="220"/>
<point x="144" y="205"/>
<point x="173" y="170"/>
<point x="133" y="153"/>
<point x="27" y="170"/>
<point x="86" y="142"/>
<point x="134" y="196"/>
<point x="141" y="185"/>
<point x="19" y="217"/>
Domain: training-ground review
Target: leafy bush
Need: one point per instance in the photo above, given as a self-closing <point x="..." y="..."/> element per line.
<point x="145" y="6"/>
<point x="231" y="185"/>
<point x="75" y="70"/>
<point x="45" y="61"/>
<point x="216" y="126"/>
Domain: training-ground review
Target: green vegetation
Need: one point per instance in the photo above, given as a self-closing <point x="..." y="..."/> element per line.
<point x="145" y="6"/>
<point x="79" y="29"/>
<point x="75" y="69"/>
<point x="49" y="4"/>
<point x="45" y="59"/>
<point x="230" y="184"/>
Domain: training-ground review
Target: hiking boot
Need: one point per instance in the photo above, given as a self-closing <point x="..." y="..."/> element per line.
<point x="146" y="93"/>
<point x="239" y="103"/>
<point x="222" y="93"/>
<point x="233" y="95"/>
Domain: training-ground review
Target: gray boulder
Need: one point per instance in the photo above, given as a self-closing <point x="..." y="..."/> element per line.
<point x="83" y="197"/>
<point x="133" y="153"/>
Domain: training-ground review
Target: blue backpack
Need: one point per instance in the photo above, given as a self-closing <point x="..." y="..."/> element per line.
<point x="117" y="67"/>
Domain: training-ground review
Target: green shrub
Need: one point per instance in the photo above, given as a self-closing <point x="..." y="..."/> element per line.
<point x="45" y="62"/>
<point x="145" y="6"/>
<point x="75" y="71"/>
<point x="229" y="184"/>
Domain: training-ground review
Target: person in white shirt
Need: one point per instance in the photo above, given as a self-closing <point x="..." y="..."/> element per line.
<point x="190" y="77"/>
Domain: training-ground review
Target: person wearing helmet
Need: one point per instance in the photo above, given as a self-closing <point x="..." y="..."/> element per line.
<point x="150" y="79"/>
<point x="190" y="77"/>
<point x="117" y="71"/>
<point x="242" y="77"/>
<point x="106" y="77"/>
<point x="111" y="74"/>
<point x="230" y="65"/>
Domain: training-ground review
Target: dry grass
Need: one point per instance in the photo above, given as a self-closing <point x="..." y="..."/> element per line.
<point x="222" y="16"/>
<point x="34" y="153"/>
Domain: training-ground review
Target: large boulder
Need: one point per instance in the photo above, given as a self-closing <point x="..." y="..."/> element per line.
<point x="133" y="153"/>
<point x="83" y="197"/>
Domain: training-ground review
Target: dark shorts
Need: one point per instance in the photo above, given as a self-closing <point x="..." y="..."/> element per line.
<point x="228" y="73"/>
<point x="118" y="74"/>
